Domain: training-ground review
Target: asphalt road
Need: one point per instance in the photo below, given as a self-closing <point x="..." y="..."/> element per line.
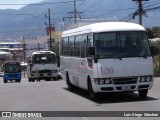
<point x="54" y="96"/>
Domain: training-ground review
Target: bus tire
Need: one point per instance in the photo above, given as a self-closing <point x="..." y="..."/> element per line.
<point x="38" y="80"/>
<point x="48" y="79"/>
<point x="92" y="94"/>
<point x="5" y="81"/>
<point x="69" y="84"/>
<point x="143" y="93"/>
<point x="29" y="79"/>
<point x="54" y="79"/>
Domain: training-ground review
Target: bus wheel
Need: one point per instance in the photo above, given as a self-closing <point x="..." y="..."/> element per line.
<point x="55" y="79"/>
<point x="143" y="93"/>
<point x="29" y="79"/>
<point x="69" y="84"/>
<point x="92" y="94"/>
<point x="5" y="81"/>
<point x="46" y="79"/>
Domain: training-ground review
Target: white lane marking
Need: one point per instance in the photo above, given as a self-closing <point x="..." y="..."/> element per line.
<point x="37" y="85"/>
<point x="84" y="118"/>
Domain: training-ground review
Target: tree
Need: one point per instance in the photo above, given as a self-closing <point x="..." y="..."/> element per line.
<point x="150" y="33"/>
<point x="156" y="31"/>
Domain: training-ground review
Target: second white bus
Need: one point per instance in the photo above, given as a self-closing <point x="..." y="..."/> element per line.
<point x="107" y="57"/>
<point x="42" y="65"/>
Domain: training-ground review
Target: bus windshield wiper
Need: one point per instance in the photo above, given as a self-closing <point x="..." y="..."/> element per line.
<point x="109" y="56"/>
<point x="144" y="56"/>
<point x="119" y="58"/>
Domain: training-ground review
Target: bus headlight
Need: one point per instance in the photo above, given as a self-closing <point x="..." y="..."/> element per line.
<point x="96" y="81"/>
<point x="34" y="72"/>
<point x="102" y="81"/>
<point x="37" y="74"/>
<point x="146" y="79"/>
<point x="143" y="79"/>
<point x="107" y="81"/>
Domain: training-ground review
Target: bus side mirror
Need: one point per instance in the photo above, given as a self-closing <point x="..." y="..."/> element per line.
<point x="154" y="50"/>
<point x="91" y="50"/>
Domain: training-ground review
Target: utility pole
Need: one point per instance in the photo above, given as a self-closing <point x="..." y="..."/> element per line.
<point x="39" y="46"/>
<point x="49" y="28"/>
<point x="74" y="14"/>
<point x="38" y="42"/>
<point x="24" y="51"/>
<point x="140" y="11"/>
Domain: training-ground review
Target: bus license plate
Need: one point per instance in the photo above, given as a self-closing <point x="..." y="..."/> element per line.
<point x="126" y="88"/>
<point x="45" y="74"/>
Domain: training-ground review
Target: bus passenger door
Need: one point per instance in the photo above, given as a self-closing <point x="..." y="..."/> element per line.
<point x="82" y="73"/>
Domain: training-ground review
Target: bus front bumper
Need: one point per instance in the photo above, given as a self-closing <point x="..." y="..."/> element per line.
<point x="121" y="87"/>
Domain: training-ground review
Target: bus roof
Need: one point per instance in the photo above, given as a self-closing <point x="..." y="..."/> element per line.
<point x="104" y="27"/>
<point x="43" y="52"/>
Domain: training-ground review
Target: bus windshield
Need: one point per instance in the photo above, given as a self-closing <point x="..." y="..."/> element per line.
<point x="12" y="68"/>
<point x="121" y="44"/>
<point x="44" y="59"/>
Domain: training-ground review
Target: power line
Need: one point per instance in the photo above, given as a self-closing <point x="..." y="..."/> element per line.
<point x="147" y="9"/>
<point x="23" y="30"/>
<point x="152" y="5"/>
<point x="127" y="18"/>
<point x="92" y="5"/>
<point x="81" y="4"/>
<point x="18" y="14"/>
<point x="111" y="11"/>
<point x="41" y="3"/>
<point x="152" y="9"/>
<point x="31" y="15"/>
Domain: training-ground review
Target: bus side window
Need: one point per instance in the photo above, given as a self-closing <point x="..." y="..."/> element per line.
<point x="71" y="46"/>
<point x="65" y="46"/>
<point x="77" y="47"/>
<point x="61" y="46"/>
<point x="89" y="43"/>
<point x="83" y="46"/>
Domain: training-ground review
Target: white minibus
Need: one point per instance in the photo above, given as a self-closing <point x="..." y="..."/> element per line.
<point x="42" y="65"/>
<point x="107" y="57"/>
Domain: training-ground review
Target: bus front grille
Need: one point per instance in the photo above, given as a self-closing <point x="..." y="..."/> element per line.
<point x="124" y="80"/>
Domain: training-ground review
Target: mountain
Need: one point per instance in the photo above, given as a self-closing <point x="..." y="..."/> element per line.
<point x="29" y="21"/>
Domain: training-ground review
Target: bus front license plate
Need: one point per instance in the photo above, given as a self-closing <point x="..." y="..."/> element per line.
<point x="126" y="88"/>
<point x="45" y="74"/>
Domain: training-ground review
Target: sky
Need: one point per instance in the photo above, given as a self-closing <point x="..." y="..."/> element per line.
<point x="2" y="2"/>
